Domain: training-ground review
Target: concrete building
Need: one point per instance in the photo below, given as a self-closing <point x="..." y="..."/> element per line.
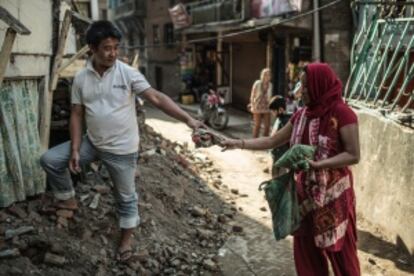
<point x="149" y="32"/>
<point x="163" y="55"/>
<point x="31" y="72"/>
<point x="245" y="37"/>
<point x="228" y="63"/>
<point x="93" y="9"/>
<point x="129" y="16"/>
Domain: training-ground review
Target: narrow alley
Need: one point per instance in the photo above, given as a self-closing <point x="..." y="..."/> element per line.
<point x="256" y="252"/>
<point x="134" y="136"/>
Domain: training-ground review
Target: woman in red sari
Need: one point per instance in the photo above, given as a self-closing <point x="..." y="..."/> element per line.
<point x="325" y="192"/>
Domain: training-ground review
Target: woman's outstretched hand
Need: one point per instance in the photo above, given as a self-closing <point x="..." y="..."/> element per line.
<point x="314" y="164"/>
<point x="228" y="143"/>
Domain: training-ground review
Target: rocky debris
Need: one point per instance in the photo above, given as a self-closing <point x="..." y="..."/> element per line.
<point x="210" y="265"/>
<point x="95" y="202"/>
<point x="9" y="253"/>
<point x="222" y="218"/>
<point x="3" y="216"/>
<point x="237" y="229"/>
<point x="64" y="213"/>
<point x="183" y="222"/>
<point x="197" y="211"/>
<point x="148" y="153"/>
<point x="17" y="211"/>
<point x="84" y="197"/>
<point x="54" y="259"/>
<point x="15" y="271"/>
<point x="102" y="189"/>
<point x="62" y="222"/>
<point x="11" y="233"/>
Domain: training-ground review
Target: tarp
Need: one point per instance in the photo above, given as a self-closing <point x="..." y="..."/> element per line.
<point x="20" y="173"/>
<point x="269" y="8"/>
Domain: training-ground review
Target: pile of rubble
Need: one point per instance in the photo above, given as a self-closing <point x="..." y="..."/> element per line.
<point x="184" y="221"/>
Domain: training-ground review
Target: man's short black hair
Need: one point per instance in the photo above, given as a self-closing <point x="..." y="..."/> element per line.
<point x="100" y="30"/>
<point x="277" y="102"/>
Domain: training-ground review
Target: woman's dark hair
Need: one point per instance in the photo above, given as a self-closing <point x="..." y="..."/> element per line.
<point x="277" y="102"/>
<point x="100" y="30"/>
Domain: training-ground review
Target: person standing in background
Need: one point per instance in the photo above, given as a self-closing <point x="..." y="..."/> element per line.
<point x="259" y="103"/>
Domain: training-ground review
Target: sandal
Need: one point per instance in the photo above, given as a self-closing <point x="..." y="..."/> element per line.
<point x="124" y="256"/>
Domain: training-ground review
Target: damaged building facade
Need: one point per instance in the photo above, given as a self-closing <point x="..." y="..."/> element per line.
<point x="185" y="45"/>
<point x="31" y="73"/>
<point x="22" y="92"/>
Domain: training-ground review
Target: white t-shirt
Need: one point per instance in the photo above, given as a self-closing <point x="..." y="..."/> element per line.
<point x="109" y="103"/>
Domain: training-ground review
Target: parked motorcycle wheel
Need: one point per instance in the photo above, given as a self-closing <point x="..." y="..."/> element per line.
<point x="219" y="119"/>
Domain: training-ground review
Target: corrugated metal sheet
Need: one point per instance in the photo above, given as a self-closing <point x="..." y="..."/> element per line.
<point x="20" y="173"/>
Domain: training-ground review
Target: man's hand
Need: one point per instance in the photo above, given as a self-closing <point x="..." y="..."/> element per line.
<point x="170" y="108"/>
<point x="74" y="162"/>
<point x="195" y="124"/>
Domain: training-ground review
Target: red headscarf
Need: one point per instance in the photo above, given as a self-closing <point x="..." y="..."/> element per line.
<point x="324" y="88"/>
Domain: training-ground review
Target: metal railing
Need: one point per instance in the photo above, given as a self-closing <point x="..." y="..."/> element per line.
<point x="382" y="61"/>
<point x="211" y="11"/>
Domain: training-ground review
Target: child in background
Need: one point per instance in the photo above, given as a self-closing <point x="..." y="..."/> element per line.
<point x="277" y="107"/>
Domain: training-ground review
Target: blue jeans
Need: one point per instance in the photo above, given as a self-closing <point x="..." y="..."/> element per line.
<point x="121" y="168"/>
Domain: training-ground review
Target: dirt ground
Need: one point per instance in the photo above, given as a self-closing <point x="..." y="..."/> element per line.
<point x="201" y="214"/>
<point x="183" y="222"/>
<point x="260" y="253"/>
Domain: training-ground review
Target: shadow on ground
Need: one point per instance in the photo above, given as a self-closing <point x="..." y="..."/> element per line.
<point x="378" y="247"/>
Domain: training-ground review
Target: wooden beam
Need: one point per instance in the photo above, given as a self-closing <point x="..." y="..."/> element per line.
<point x="78" y="17"/>
<point x="13" y="22"/>
<point x="6" y="50"/>
<point x="135" y="62"/>
<point x="79" y="54"/>
<point x="46" y="111"/>
<point x="64" y="31"/>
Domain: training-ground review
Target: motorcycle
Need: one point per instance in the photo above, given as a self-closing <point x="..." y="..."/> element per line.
<point x="212" y="111"/>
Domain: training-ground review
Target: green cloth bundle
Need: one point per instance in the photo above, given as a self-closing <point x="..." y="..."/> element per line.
<point x="281" y="191"/>
<point x="296" y="158"/>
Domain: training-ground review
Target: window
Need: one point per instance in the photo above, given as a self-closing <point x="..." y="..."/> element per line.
<point x="155" y="34"/>
<point x="169" y="35"/>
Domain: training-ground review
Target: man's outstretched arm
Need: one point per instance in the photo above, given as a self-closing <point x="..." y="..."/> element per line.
<point x="168" y="106"/>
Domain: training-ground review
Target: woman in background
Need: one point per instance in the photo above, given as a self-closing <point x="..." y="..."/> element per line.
<point x="259" y="103"/>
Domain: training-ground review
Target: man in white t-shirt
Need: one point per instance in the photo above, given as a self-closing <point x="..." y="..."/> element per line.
<point x="104" y="94"/>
